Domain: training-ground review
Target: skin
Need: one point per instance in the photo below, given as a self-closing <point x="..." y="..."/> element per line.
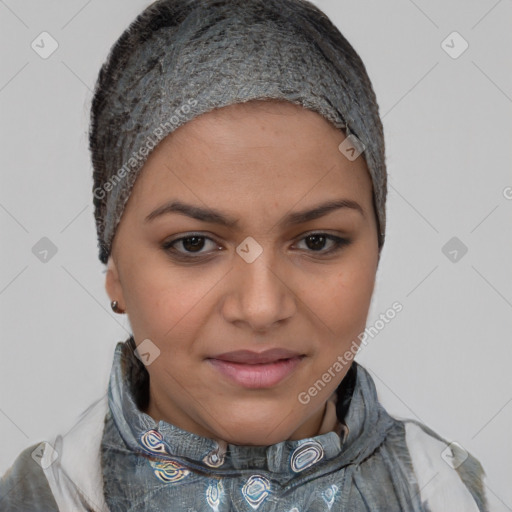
<point x="256" y="162"/>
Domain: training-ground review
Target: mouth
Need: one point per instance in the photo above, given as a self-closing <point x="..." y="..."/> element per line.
<point x="255" y="370"/>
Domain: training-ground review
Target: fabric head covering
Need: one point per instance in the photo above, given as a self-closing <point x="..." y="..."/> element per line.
<point x="183" y="58"/>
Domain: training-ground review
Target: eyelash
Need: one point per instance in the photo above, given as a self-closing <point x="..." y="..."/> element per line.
<point x="167" y="246"/>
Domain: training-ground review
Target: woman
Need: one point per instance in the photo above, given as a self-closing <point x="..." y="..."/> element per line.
<point x="239" y="192"/>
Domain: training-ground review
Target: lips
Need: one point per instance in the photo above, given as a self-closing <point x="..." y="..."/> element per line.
<point x="248" y="357"/>
<point x="255" y="370"/>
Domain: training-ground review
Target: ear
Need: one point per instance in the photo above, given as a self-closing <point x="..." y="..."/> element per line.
<point x="113" y="283"/>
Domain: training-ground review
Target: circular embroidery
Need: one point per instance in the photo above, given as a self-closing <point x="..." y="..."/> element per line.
<point x="256" y="490"/>
<point x="152" y="442"/>
<point x="213" y="460"/>
<point x="306" y="455"/>
<point x="169" y="471"/>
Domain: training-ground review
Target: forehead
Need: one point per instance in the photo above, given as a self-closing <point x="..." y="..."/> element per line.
<point x="253" y="152"/>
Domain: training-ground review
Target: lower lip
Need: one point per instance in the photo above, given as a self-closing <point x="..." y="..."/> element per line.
<point x="256" y="376"/>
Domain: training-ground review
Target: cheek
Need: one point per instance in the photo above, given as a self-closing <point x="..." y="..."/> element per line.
<point x="344" y="300"/>
<point x="166" y="302"/>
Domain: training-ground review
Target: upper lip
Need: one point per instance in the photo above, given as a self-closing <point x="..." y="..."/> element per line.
<point x="249" y="357"/>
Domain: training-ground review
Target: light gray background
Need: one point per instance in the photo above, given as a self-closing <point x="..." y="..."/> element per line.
<point x="445" y="359"/>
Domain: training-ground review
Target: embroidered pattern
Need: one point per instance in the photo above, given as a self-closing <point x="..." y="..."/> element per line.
<point x="169" y="471"/>
<point x="152" y="442"/>
<point x="329" y="495"/>
<point x="306" y="455"/>
<point x="256" y="490"/>
<point x="213" y="459"/>
<point x="213" y="495"/>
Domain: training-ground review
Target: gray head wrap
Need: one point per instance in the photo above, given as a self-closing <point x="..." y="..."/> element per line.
<point x="182" y="58"/>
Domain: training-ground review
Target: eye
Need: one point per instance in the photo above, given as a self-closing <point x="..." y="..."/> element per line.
<point x="316" y="242"/>
<point x="192" y="244"/>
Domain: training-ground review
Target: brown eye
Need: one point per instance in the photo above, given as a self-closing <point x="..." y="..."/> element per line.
<point x="186" y="246"/>
<point x="193" y="243"/>
<point x="316" y="242"/>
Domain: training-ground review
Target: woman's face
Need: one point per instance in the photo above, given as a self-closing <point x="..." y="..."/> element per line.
<point x="226" y="245"/>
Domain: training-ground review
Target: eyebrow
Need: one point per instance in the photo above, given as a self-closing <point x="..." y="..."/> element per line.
<point x="216" y="217"/>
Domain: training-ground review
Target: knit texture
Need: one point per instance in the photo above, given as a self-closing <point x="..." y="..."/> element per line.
<point x="182" y="58"/>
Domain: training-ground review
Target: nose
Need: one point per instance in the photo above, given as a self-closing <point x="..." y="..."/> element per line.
<point x="259" y="294"/>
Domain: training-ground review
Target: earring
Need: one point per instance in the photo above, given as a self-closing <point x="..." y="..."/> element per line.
<point x="115" y="307"/>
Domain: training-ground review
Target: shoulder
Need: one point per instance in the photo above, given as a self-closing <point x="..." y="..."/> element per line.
<point x="448" y="476"/>
<point x="24" y="487"/>
<point x="64" y="474"/>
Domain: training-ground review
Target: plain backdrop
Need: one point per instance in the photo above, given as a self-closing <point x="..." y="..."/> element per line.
<point x="445" y="359"/>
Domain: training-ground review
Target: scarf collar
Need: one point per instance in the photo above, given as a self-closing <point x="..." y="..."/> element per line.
<point x="360" y="428"/>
